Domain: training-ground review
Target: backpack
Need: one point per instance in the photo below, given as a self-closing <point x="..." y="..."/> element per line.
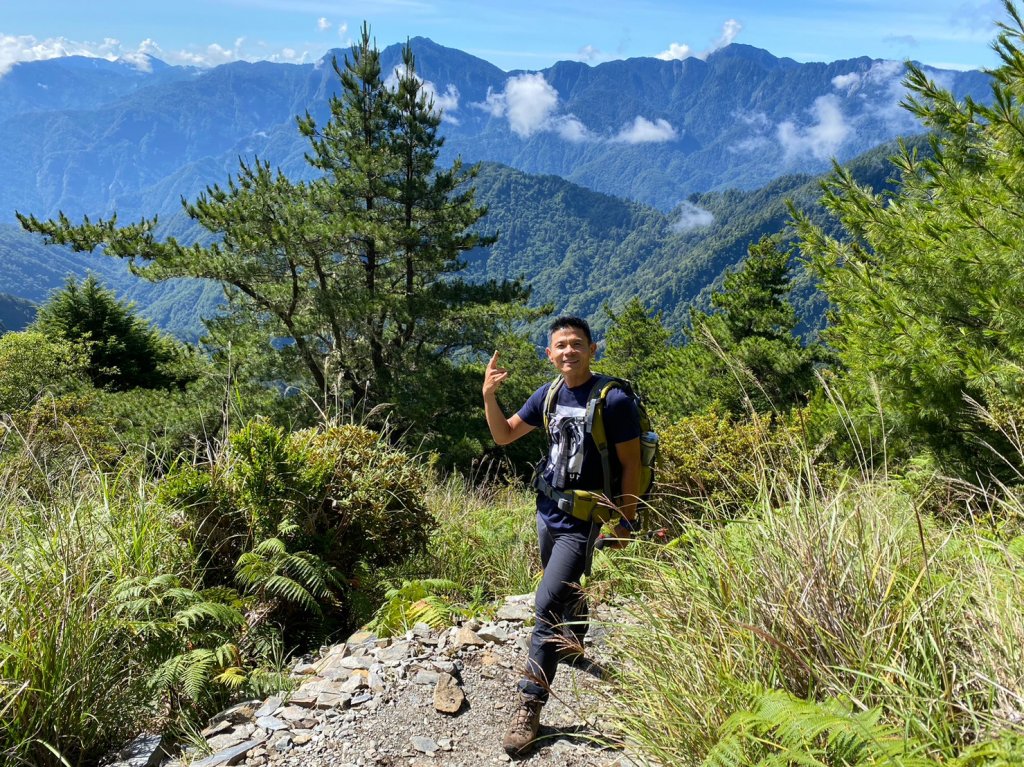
<point x="584" y="504"/>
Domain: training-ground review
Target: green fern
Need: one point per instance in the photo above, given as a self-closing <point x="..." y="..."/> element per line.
<point x="781" y="730"/>
<point x="416" y="601"/>
<point x="270" y="571"/>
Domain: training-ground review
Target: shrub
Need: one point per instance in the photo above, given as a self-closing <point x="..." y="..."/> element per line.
<point x="313" y="507"/>
<point x="715" y="464"/>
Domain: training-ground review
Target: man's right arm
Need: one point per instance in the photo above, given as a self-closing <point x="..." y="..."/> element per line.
<point x="503" y="430"/>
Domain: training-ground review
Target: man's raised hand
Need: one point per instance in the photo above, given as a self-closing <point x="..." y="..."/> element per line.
<point x="493" y="376"/>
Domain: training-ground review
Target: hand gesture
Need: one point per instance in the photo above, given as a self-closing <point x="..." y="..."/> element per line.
<point x="493" y="376"/>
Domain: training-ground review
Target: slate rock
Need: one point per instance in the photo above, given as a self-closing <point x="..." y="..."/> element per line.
<point x="448" y="695"/>
<point x="493" y="633"/>
<point x="229" y="756"/>
<point x="147" y="750"/>
<point x="466" y="637"/>
<point x="516" y="611"/>
<point x="424" y="745"/>
<point x="270" y="705"/>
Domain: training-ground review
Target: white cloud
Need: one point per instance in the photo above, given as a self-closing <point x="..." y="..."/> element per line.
<point x="691" y="216"/>
<point x="643" y="131"/>
<point x="18" y="48"/>
<point x="880" y="74"/>
<point x="822" y="138"/>
<point x="675" y="52"/>
<point x="589" y="53"/>
<point x="730" y="29"/>
<point x="323" y="24"/>
<point x="570" y="128"/>
<point x="530" y="103"/>
<point x="443" y="102"/>
<point x="343" y="32"/>
<point x="680" y="51"/>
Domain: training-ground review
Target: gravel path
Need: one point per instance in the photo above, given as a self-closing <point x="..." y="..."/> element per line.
<point x="376" y="703"/>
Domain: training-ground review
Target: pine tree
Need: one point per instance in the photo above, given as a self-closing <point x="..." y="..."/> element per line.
<point x="123" y="350"/>
<point x="745" y="355"/>
<point x="348" y="281"/>
<point x="928" y="307"/>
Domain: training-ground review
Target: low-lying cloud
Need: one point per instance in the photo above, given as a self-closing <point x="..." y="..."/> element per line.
<point x="530" y="104"/>
<point x="679" y="51"/>
<point x="822" y="138"/>
<point x="644" y="131"/>
<point x="690" y="216"/>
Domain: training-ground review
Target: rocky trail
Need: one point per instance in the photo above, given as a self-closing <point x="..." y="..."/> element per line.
<point x="425" y="698"/>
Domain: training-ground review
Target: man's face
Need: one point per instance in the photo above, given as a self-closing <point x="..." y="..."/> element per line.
<point x="570" y="353"/>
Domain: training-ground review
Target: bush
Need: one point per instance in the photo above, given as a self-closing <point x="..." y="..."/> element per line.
<point x="712" y="464"/>
<point x="339" y="498"/>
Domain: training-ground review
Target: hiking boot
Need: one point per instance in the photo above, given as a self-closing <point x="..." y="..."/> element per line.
<point x="523" y="730"/>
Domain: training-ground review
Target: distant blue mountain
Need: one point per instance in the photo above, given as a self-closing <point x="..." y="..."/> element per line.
<point x="91" y="136"/>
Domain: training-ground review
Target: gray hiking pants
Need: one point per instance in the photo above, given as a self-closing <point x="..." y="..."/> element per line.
<point x="562" y="613"/>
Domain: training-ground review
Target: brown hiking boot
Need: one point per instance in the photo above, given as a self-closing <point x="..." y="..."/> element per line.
<point x="523" y="729"/>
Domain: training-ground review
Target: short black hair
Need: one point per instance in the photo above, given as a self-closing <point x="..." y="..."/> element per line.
<point x="568" y="321"/>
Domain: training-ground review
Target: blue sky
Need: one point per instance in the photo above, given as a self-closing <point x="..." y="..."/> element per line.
<point x="513" y="35"/>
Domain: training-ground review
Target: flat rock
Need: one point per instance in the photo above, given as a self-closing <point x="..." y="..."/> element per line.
<point x="424" y="745"/>
<point x="361" y="637"/>
<point x="329" y="700"/>
<point x="466" y="637"/>
<point x="271" y="723"/>
<point x="147" y="750"/>
<point x="516" y="611"/>
<point x="397" y="651"/>
<point x="426" y="677"/>
<point x="229" y="756"/>
<point x="241" y="712"/>
<point x="270" y="705"/>
<point x="448" y="695"/>
<point x="493" y="633"/>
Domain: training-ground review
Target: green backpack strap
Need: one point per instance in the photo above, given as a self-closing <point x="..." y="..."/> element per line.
<point x="595" y="427"/>
<point x="550" y="400"/>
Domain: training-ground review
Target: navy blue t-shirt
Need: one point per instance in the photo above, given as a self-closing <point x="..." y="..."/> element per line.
<point x="581" y="462"/>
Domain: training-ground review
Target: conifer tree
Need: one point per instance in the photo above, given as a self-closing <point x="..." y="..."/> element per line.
<point x="745" y="354"/>
<point x="123" y="350"/>
<point x="350" y="278"/>
<point x="928" y="304"/>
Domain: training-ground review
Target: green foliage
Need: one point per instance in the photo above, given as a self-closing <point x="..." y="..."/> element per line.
<point x="75" y="675"/>
<point x="123" y="350"/>
<point x="924" y="312"/>
<point x="33" y="364"/>
<point x="745" y="356"/>
<point x="713" y="464"/>
<point x="780" y="729"/>
<point x="291" y="516"/>
<point x="414" y="602"/>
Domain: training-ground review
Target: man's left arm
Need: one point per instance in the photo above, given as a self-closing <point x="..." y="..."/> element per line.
<point x="629" y="459"/>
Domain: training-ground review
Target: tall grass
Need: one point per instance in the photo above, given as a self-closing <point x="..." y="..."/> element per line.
<point x="843" y="593"/>
<point x="486" y="536"/>
<point x="73" y="678"/>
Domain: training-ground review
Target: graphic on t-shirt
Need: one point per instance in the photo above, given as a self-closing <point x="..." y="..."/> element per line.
<point x="566" y="427"/>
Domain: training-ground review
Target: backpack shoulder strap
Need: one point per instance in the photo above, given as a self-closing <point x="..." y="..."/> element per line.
<point x="550" y="400"/>
<point x="595" y="425"/>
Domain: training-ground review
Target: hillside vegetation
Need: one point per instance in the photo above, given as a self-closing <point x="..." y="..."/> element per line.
<point x="830" y="572"/>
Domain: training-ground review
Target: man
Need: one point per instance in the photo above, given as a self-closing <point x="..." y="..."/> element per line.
<point x="566" y="540"/>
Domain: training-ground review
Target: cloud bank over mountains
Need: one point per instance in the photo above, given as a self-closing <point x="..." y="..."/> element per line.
<point x="531" y="105"/>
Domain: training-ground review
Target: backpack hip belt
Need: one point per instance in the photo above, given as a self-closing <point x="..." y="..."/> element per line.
<point x="585" y="505"/>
